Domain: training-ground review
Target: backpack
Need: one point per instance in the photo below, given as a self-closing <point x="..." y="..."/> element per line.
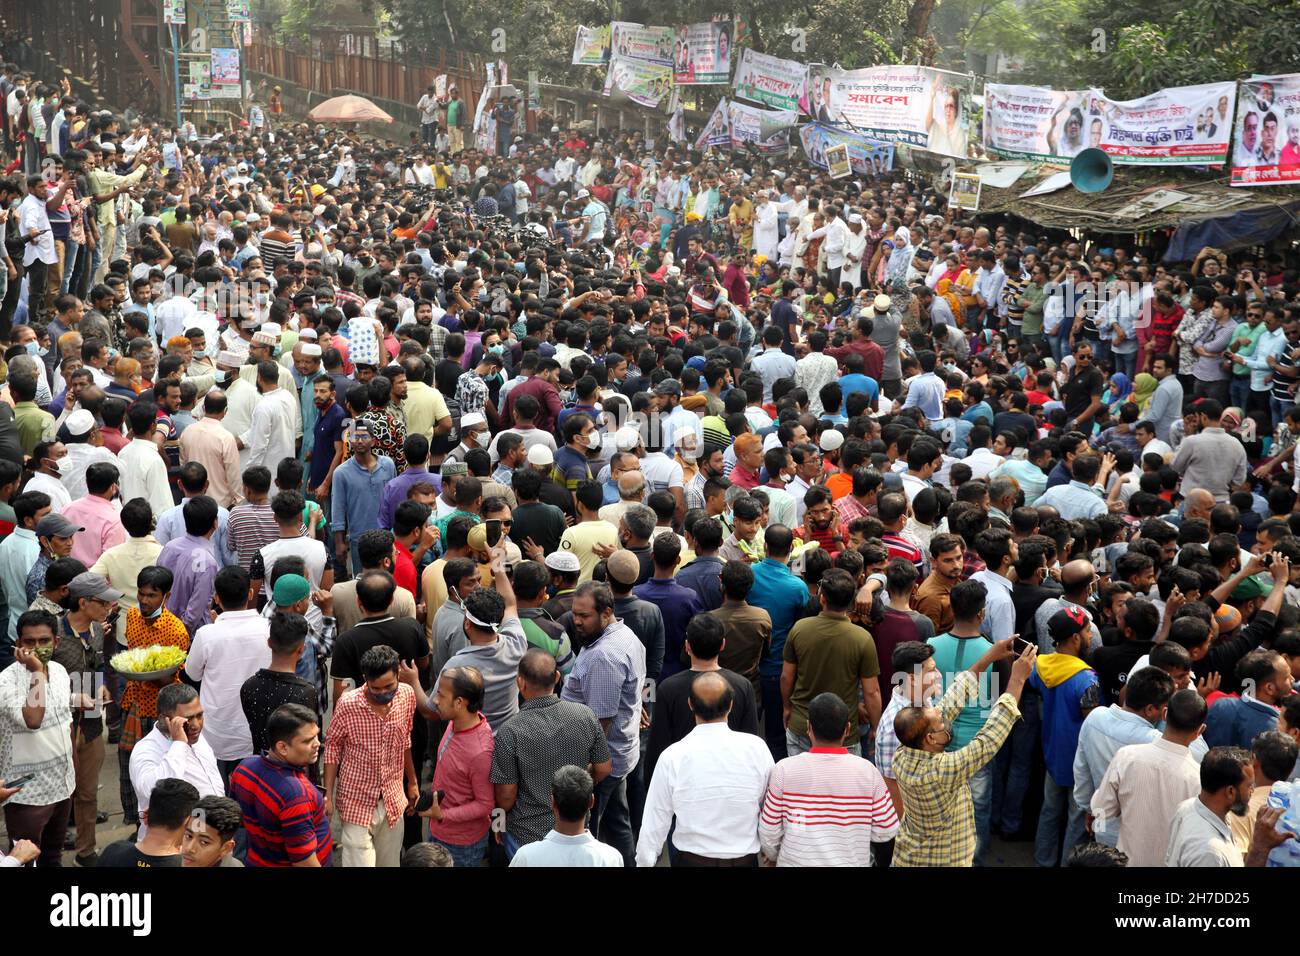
<point x="440" y="446"/>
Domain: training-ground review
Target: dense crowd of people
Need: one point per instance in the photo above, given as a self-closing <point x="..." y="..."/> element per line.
<point x="593" y="502"/>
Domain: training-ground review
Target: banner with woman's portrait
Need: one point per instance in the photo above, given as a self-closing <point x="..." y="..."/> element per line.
<point x="916" y="105"/>
<point x="766" y="130"/>
<point x="702" y="53"/>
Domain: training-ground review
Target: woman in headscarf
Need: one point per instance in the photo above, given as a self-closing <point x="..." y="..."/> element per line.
<point x="1144" y="387"/>
<point x="1118" y="390"/>
<point x="901" y="257"/>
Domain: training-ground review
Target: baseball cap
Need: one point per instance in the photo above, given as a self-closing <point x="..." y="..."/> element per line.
<point x="539" y="455"/>
<point x="1252" y="587"/>
<point x="1067" y="621"/>
<point x="566" y="562"/>
<point x="623" y="566"/>
<point x="80" y="422"/>
<point x="93" y="586"/>
<point x="831" y="439"/>
<point x="290" y="589"/>
<point x="56" y="526"/>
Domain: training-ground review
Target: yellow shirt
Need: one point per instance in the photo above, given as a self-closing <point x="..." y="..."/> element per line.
<point x="424" y="407"/>
<point x="582" y="538"/>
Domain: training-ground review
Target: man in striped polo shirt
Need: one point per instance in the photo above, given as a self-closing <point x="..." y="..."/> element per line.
<point x="826" y="807"/>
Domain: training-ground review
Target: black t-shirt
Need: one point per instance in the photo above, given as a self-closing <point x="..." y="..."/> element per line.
<point x="673" y="718"/>
<point x="541" y="521"/>
<point x="402" y="634"/>
<point x="265" y="691"/>
<point x="125" y="853"/>
<point x="1004" y="421"/>
<point x="1113" y="664"/>
<point x="1081" y="389"/>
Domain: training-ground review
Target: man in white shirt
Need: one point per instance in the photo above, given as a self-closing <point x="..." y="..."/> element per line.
<point x="223" y="655"/>
<point x="713" y="781"/>
<point x="570" y="843"/>
<point x="836" y="233"/>
<point x="34" y="225"/>
<point x="270" y="436"/>
<point x="175" y="748"/>
<point x="143" y="469"/>
<point x="1145" y="783"/>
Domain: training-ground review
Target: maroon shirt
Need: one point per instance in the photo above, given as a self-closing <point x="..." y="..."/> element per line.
<point x="872" y="354"/>
<point x="546" y="396"/>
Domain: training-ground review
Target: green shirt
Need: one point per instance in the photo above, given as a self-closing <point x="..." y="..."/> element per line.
<point x="830" y="654"/>
<point x="442" y="524"/>
<point x="953" y="656"/>
<point x="454" y="110"/>
<point x="1033" y="321"/>
<point x="1244" y="331"/>
<point x="35" y="425"/>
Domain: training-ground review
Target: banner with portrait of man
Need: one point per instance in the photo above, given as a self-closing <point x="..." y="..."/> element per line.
<point x="636" y="41"/>
<point x="1267" y="134"/>
<point x="591" y="46"/>
<point x="646" y="84"/>
<point x="866" y="157"/>
<point x="770" y="80"/>
<point x="1183" y="125"/>
<point x="768" y="131"/>
<point x="702" y="53"/>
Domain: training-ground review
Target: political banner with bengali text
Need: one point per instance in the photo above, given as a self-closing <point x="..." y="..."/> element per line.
<point x="717" y="131"/>
<point x="646" y="44"/>
<point x="915" y="105"/>
<point x="646" y="84"/>
<point x="1267" y="134"/>
<point x="591" y="46"/>
<point x="702" y="54"/>
<point x="1185" y="125"/>
<point x="768" y="131"/>
<point x="770" y="80"/>
<point x="867" y="157"/>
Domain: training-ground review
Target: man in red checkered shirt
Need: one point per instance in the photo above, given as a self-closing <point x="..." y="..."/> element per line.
<point x="369" y="774"/>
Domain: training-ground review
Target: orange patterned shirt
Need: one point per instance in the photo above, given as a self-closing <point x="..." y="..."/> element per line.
<point x="167" y="630"/>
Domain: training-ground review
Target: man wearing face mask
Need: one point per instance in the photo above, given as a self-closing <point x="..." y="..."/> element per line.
<point x="367" y="756"/>
<point x="473" y="434"/>
<point x="934" y="777"/>
<point x="1070" y="690"/>
<point x="37" y="711"/>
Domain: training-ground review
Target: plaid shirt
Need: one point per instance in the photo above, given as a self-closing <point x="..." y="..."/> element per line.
<point x="371" y="751"/>
<point x="939" y="823"/>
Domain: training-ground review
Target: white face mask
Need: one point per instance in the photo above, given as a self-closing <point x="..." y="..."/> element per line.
<point x="593" y="441"/>
<point x="56" y="465"/>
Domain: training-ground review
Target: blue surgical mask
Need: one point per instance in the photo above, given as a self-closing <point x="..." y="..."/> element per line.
<point x="33" y="348"/>
<point x="497" y="350"/>
<point x="384" y="698"/>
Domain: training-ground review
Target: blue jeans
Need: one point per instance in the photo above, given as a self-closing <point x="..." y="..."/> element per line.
<point x="773" y="728"/>
<point x="1015" y="764"/>
<point x="71" y="252"/>
<point x="1058" y="801"/>
<point x="610" y="819"/>
<point x="1125" y="362"/>
<point x="1239" y="391"/>
<point x="981" y="791"/>
<point x="469" y="855"/>
<point x="511" y="844"/>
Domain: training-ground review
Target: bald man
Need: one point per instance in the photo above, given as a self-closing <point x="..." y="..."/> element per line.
<point x="1078" y="581"/>
<point x="208" y="442"/>
<point x="691" y="779"/>
<point x="1198" y="504"/>
<point x="631" y="491"/>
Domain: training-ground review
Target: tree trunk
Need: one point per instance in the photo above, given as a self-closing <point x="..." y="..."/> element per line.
<point x="918" y="18"/>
